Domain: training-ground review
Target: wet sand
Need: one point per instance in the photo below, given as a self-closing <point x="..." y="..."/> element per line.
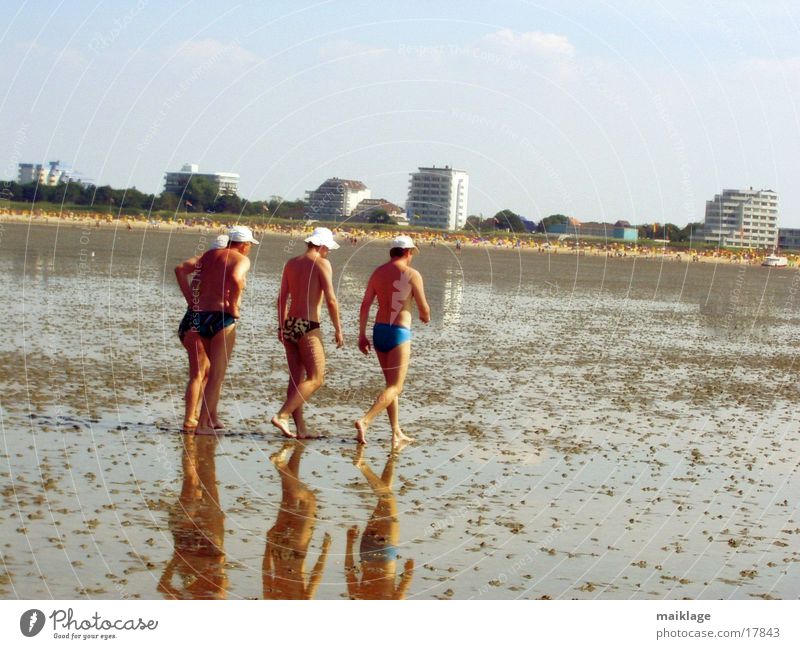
<point x="587" y="427"/>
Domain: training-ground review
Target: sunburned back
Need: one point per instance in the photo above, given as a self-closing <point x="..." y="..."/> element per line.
<point x="305" y="288"/>
<point x="217" y="281"/>
<point x="392" y="284"/>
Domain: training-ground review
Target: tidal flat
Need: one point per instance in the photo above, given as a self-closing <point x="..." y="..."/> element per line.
<point x="586" y="428"/>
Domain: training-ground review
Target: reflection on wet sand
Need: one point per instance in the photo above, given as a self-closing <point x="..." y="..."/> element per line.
<point x="197" y="524"/>
<point x="378" y="549"/>
<point x="283" y="569"/>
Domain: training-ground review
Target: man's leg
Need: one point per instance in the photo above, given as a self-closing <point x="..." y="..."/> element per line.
<point x="393" y="409"/>
<point x="219" y="350"/>
<point x="198" y="371"/>
<point x="297" y="373"/>
<point x="313" y="357"/>
<point x="394" y="364"/>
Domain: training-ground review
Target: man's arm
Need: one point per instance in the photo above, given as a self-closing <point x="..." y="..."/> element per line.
<point x="319" y="568"/>
<point x="363" y="316"/>
<point x="283" y="301"/>
<point x="326" y="280"/>
<point x="238" y="282"/>
<point x="419" y="296"/>
<point x="182" y="273"/>
<point x="405" y="580"/>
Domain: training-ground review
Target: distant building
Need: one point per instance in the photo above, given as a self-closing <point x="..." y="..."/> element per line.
<point x="621" y="230"/>
<point x="175" y="181"/>
<point x="789" y="238"/>
<point x="437" y="198"/>
<point x="742" y="218"/>
<point x="335" y="199"/>
<point x="29" y="172"/>
<point x="369" y="206"/>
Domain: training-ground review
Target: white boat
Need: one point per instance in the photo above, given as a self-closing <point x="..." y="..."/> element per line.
<point x="774" y="261"/>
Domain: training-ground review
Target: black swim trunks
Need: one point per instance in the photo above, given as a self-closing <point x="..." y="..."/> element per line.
<point x="206" y="323"/>
<point x="295" y="328"/>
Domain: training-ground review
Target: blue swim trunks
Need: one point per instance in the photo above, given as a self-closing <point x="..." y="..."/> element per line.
<point x="386" y="337"/>
<point x="377" y="549"/>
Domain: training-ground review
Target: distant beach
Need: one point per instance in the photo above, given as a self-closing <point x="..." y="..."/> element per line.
<point x="498" y="240"/>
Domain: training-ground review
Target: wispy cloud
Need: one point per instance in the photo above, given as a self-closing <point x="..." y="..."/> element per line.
<point x="211" y="49"/>
<point x="787" y="66"/>
<point x="528" y="43"/>
<point x="340" y="49"/>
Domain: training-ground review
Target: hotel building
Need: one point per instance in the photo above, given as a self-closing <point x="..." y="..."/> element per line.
<point x="175" y="181"/>
<point x="437" y="198"/>
<point x="742" y="218"/>
<point x="335" y="199"/>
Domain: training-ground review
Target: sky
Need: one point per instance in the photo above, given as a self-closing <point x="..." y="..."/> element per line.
<point x="599" y="110"/>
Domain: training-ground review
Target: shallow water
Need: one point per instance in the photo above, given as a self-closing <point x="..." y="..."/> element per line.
<point x="587" y="428"/>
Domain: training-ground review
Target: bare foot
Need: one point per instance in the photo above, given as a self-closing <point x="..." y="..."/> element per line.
<point x="283" y="426"/>
<point x="305" y="434"/>
<point x="361" y="427"/>
<point x="203" y="429"/>
<point x="217" y="424"/>
<point x="400" y="439"/>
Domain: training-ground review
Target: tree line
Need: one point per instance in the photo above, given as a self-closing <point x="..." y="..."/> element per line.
<point x="508" y="221"/>
<point x="201" y="196"/>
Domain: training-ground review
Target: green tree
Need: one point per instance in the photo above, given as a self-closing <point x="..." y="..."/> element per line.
<point x="228" y="204"/>
<point x="289" y="210"/>
<point x="167" y="201"/>
<point x="547" y="221"/>
<point x="103" y="196"/>
<point x="508" y="220"/>
<point x="473" y="222"/>
<point x="200" y="194"/>
<point x="380" y="216"/>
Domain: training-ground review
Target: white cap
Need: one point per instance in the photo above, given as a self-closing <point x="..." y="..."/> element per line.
<point x="219" y="242"/>
<point x="322" y="237"/>
<point x="241" y="234"/>
<point x="403" y="241"/>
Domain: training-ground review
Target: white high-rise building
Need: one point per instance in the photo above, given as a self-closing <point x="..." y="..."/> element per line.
<point x="176" y="181"/>
<point x="335" y="199"/>
<point x="437" y="198"/>
<point x="742" y="218"/>
<point x="38" y="173"/>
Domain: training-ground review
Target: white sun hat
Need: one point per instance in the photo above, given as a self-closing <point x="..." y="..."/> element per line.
<point x="403" y="241"/>
<point x="322" y="237"/>
<point x="219" y="242"/>
<point x="241" y="234"/>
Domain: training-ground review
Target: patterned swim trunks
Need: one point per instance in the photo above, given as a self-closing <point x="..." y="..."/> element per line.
<point x="295" y="328"/>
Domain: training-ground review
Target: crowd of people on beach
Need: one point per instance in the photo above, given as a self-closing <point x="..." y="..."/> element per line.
<point x="355" y="233"/>
<point x="213" y="285"/>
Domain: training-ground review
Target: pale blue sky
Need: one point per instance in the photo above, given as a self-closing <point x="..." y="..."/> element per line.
<point x="604" y="111"/>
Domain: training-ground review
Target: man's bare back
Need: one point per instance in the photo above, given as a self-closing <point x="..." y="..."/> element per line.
<point x="306" y="280"/>
<point x="220" y="281"/>
<point x="394" y="286"/>
<point x="305" y="285"/>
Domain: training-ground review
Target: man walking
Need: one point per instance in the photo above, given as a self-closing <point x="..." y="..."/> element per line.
<point x="216" y="296"/>
<point x="395" y="284"/>
<point x="306" y="279"/>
